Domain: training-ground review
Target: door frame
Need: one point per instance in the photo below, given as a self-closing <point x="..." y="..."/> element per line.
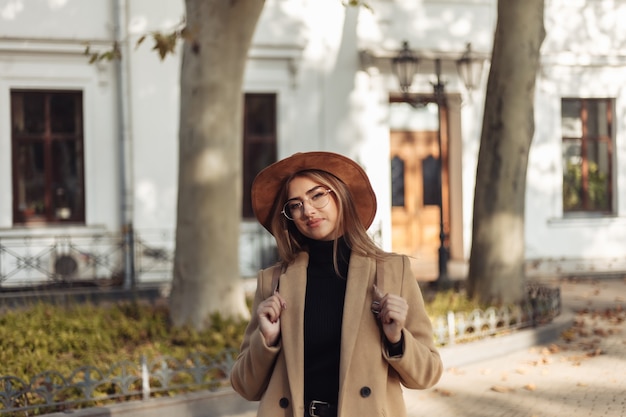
<point x="452" y="170"/>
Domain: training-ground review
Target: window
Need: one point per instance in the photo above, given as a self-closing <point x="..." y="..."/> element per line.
<point x="47" y="154"/>
<point x="397" y="181"/>
<point x="259" y="141"/>
<point x="587" y="155"/>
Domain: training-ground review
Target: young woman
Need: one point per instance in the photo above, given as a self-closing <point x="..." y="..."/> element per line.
<point x="338" y="325"/>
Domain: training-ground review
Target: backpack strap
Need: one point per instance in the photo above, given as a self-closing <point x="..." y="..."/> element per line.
<point x="379" y="281"/>
<point x="278" y="269"/>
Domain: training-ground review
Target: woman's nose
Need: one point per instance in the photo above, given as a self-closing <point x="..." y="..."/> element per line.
<point x="307" y="208"/>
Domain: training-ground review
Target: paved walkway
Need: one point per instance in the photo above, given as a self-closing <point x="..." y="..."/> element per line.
<point x="580" y="373"/>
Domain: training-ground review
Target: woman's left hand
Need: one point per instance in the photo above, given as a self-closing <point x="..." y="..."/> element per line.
<point x="393" y="312"/>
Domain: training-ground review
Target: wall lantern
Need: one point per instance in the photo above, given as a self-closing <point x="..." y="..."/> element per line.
<point x="470" y="68"/>
<point x="405" y="65"/>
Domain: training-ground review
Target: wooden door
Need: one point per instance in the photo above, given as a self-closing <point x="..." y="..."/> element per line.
<point x="415" y="196"/>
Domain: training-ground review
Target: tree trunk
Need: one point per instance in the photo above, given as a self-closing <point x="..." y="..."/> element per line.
<point x="206" y="263"/>
<point x="496" y="266"/>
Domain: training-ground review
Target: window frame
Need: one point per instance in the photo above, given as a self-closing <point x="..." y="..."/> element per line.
<point x="49" y="138"/>
<point x="251" y="164"/>
<point x="586" y="140"/>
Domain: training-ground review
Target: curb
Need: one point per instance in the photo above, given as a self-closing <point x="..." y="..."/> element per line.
<point x="222" y="403"/>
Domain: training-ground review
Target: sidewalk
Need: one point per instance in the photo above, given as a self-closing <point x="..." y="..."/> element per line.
<point x="585" y="376"/>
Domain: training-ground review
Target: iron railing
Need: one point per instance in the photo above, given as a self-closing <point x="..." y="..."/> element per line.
<point x="98" y="257"/>
<point x="52" y="391"/>
<point x="542" y="304"/>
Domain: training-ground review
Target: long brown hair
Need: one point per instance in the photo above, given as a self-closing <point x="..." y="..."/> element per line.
<point x="290" y="241"/>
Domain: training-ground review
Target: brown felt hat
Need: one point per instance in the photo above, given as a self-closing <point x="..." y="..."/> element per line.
<point x="269" y="181"/>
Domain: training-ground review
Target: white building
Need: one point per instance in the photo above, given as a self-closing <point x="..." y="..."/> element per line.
<point x="88" y="162"/>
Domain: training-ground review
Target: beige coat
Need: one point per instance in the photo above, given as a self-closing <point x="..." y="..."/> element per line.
<point x="369" y="380"/>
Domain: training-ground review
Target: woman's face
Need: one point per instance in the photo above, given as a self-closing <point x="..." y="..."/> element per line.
<point x="315" y="223"/>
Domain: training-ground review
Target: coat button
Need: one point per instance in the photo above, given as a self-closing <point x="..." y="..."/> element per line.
<point x="365" y="392"/>
<point x="284" y="402"/>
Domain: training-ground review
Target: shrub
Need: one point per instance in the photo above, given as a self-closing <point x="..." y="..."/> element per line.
<point x="45" y="336"/>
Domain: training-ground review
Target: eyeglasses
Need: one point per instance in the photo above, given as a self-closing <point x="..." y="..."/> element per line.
<point x="318" y="198"/>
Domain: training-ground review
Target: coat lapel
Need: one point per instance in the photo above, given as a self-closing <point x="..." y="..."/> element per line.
<point x="360" y="281"/>
<point x="293" y="289"/>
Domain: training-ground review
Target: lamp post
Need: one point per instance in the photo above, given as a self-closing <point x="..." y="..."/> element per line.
<point x="443" y="280"/>
<point x="405" y="66"/>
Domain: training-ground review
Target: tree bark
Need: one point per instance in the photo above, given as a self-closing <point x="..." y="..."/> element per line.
<point x="496" y="266"/>
<point x="206" y="275"/>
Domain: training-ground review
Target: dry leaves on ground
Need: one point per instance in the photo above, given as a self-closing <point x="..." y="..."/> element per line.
<point x="444" y="392"/>
<point x="502" y="389"/>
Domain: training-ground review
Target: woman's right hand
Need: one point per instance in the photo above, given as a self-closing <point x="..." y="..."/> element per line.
<point x="269" y="318"/>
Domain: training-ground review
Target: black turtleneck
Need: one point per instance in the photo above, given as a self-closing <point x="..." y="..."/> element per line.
<point x="323" y="311"/>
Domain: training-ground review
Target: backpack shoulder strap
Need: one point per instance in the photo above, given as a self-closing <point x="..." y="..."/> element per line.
<point x="278" y="269"/>
<point x="380" y="275"/>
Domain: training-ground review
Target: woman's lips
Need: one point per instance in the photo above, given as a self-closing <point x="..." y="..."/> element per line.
<point x="313" y="222"/>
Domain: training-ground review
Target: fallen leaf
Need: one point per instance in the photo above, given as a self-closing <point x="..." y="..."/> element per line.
<point x="444" y="392"/>
<point x="568" y="335"/>
<point x="502" y="389"/>
<point x="553" y="348"/>
<point x="600" y="332"/>
<point x="596" y="352"/>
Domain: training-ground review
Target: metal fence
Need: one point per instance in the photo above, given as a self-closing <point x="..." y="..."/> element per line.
<point x="542" y="304"/>
<point x="98" y="258"/>
<point x="51" y="391"/>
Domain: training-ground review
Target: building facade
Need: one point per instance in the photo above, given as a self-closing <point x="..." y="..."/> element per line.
<point x="88" y="164"/>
